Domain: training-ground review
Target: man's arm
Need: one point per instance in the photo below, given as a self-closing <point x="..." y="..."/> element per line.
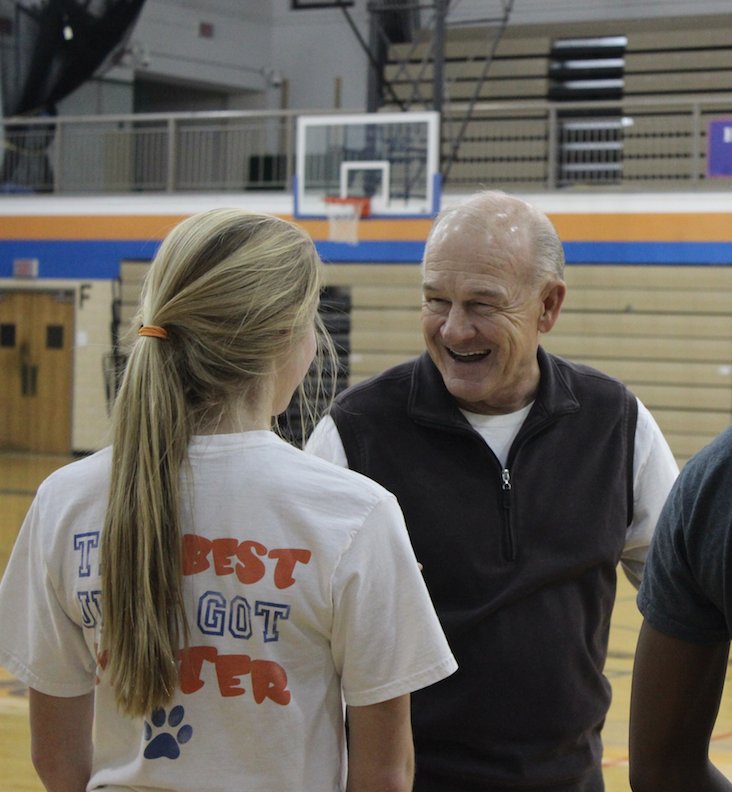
<point x="380" y="747"/>
<point x="654" y="472"/>
<point x="61" y="740"/>
<point x="325" y="442"/>
<point x="674" y="703"/>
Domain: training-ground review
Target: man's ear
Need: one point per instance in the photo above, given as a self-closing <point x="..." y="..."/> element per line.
<point x="552" y="299"/>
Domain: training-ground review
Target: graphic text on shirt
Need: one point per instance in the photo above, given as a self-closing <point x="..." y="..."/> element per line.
<point x="238" y="617"/>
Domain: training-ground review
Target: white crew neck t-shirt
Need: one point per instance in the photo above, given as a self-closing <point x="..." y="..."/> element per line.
<point x="302" y="592"/>
<point x="499" y="431"/>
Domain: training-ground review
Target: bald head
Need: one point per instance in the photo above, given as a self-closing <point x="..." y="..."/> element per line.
<point x="498" y="216"/>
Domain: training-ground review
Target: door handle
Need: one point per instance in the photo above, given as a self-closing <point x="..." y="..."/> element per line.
<point x="28" y="380"/>
<point x="24" y="369"/>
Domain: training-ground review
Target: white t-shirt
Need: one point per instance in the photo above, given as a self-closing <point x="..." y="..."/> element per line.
<point x="302" y="592"/>
<point x="499" y="431"/>
<point x="654" y="471"/>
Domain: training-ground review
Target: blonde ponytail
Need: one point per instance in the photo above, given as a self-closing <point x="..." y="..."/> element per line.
<point x="232" y="290"/>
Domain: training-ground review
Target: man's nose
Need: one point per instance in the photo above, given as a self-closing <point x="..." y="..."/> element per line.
<point x="457" y="326"/>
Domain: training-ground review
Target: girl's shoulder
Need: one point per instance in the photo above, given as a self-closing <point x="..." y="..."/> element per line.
<point x="87" y="474"/>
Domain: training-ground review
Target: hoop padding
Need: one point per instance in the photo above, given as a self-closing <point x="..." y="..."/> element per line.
<point x="343" y="217"/>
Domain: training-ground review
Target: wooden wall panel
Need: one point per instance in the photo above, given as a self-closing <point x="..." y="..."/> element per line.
<point x="666" y="331"/>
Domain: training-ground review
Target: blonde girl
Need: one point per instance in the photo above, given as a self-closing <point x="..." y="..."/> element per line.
<point x="203" y="594"/>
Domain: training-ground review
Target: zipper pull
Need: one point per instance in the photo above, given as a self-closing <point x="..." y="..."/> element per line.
<point x="509" y="545"/>
<point x="506" y="487"/>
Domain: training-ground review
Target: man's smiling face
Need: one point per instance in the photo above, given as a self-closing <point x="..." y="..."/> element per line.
<point x="482" y="312"/>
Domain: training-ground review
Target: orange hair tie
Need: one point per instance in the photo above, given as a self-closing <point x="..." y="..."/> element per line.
<point x="153" y="331"/>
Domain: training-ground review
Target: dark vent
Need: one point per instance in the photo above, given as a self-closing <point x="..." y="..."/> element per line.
<point x="591" y="140"/>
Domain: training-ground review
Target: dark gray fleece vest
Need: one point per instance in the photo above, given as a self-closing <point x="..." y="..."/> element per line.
<point x="520" y="563"/>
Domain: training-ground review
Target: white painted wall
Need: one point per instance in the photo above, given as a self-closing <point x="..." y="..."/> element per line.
<point x="167" y="34"/>
<point x="312" y="48"/>
<point x="254" y="39"/>
<point x="539" y="11"/>
<point x="90" y="420"/>
<point x="166" y="46"/>
<point x="109" y="95"/>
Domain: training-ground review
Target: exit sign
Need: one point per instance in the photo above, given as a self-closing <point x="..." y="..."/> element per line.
<point x="25" y="268"/>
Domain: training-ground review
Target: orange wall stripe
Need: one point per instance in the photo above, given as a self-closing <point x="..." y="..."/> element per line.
<point x="601" y="227"/>
<point x="662" y="227"/>
<point x="89" y="227"/>
<point x="158" y="226"/>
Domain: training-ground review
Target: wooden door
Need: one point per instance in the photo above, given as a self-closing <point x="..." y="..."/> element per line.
<point x="36" y="359"/>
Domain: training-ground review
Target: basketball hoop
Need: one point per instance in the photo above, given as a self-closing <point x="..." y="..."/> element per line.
<point x="343" y="217"/>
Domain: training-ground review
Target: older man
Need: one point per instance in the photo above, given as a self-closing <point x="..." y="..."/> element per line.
<point x="524" y="479"/>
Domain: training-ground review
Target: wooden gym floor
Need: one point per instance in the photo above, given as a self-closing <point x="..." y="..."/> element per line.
<point x="20" y="475"/>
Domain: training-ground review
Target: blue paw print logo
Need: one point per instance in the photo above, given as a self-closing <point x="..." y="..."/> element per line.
<point x="166" y="743"/>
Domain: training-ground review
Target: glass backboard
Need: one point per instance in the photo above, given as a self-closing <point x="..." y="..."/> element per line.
<point x="390" y="158"/>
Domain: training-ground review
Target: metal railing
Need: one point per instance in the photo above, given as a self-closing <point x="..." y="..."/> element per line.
<point x="150" y="153"/>
<point x="633" y="143"/>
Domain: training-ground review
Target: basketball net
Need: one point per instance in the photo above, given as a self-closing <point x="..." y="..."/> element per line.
<point x="344" y="215"/>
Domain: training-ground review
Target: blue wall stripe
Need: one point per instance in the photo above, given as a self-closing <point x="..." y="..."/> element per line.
<point x="648" y="252"/>
<point x="398" y="251"/>
<point x="83" y="259"/>
<point x="93" y="259"/>
<point x="575" y="252"/>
